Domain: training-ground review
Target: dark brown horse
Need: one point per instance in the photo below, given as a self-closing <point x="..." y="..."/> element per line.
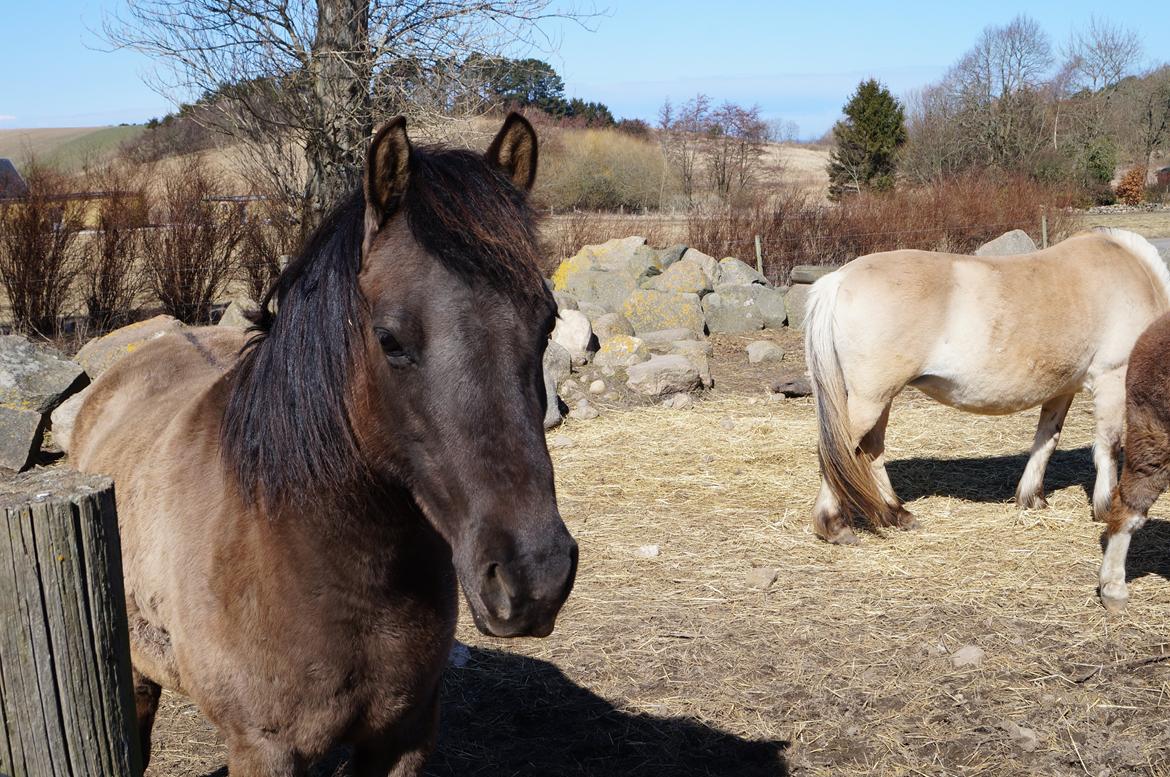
<point x="1146" y="471"/>
<point x="295" y="514"/>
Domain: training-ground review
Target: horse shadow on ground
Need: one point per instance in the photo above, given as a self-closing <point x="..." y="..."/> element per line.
<point x="507" y="714"/>
<point x="987" y="478"/>
<point x="1149" y="551"/>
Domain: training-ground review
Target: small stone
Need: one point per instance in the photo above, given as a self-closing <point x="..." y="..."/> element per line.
<point x="1024" y="738"/>
<point x="678" y="402"/>
<point x="597" y="387"/>
<point x="727" y="424"/>
<point x="794" y="386"/>
<point x="762" y="351"/>
<point x="968" y="655"/>
<point x="573" y="333"/>
<point x="238" y="313"/>
<point x="583" y="411"/>
<point x="647" y="551"/>
<point x="570" y="387"/>
<point x="608" y="372"/>
<point x="664" y="339"/>
<point x="762" y="577"/>
<point x="560" y="441"/>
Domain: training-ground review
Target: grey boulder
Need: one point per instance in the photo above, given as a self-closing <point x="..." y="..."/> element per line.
<point x="663" y="375"/>
<point x="35" y="377"/>
<point x="1008" y="244"/>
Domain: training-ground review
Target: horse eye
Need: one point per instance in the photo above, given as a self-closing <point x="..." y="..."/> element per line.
<point x="391" y="347"/>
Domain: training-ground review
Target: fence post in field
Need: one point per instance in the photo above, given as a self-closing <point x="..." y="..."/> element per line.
<point x="66" y="692"/>
<point x="759" y="257"/>
<point x="1044" y="229"/>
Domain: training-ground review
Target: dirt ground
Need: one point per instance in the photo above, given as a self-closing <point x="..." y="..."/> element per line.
<point x="673" y="664"/>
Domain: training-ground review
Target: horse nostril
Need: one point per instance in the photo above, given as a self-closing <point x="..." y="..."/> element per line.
<point x="498" y="591"/>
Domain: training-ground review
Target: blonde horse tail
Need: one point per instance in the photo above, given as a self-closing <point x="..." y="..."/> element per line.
<point x="845" y="468"/>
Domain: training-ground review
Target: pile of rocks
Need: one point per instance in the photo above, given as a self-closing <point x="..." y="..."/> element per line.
<point x="639" y="316"/>
<point x="41" y="390"/>
<point x="658" y="289"/>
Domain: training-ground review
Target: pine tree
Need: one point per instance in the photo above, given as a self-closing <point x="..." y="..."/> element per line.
<point x="868" y="138"/>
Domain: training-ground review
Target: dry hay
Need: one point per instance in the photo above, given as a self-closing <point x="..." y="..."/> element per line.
<point x="672" y="664"/>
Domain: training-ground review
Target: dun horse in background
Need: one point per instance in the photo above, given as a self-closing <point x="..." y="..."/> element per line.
<point x="1146" y="471"/>
<point x="991" y="335"/>
<point x="295" y="515"/>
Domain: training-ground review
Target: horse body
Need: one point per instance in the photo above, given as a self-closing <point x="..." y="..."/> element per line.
<point x="298" y="505"/>
<point x="990" y="335"/>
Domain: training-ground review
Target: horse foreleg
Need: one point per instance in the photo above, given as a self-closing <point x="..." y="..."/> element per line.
<point x="1109" y="409"/>
<point x="146" y="696"/>
<point x="402" y="754"/>
<point x="1143" y="479"/>
<point x="255" y="757"/>
<point x="1030" y="491"/>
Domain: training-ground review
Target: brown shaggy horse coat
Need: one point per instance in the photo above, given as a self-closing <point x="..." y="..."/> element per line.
<point x="297" y="504"/>
<point x="1146" y="471"/>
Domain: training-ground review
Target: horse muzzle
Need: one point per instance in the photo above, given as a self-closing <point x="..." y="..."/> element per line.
<point x="520" y="594"/>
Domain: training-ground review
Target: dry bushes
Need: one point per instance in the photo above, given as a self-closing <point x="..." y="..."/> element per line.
<point x="955" y="215"/>
<point x="38" y="250"/>
<point x="602" y="170"/>
<point x="112" y="282"/>
<point x="190" y="255"/>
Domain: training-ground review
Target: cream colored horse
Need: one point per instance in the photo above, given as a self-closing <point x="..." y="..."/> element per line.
<point x="991" y="335"/>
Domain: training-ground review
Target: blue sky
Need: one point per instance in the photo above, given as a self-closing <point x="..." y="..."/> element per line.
<point x="798" y="60"/>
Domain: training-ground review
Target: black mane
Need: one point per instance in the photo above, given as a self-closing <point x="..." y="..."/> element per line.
<point x="288" y="431"/>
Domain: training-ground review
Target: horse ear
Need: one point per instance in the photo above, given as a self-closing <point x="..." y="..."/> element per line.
<point x="387" y="171"/>
<point x="514" y="151"/>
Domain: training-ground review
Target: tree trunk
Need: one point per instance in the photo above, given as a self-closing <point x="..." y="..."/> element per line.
<point x="340" y="80"/>
<point x="66" y="695"/>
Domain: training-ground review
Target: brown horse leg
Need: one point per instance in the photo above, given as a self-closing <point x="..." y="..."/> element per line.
<point x="873" y="444"/>
<point x="1030" y="491"/>
<point x="254" y="757"/>
<point x="399" y="756"/>
<point x="829" y="521"/>
<point x="1144" y="477"/>
<point x="1109" y="408"/>
<point x="146" y="696"/>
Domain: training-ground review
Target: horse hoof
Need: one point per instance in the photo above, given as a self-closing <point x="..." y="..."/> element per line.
<point x="846" y="537"/>
<point x="1114" y="598"/>
<point x="906" y="520"/>
<point x="1036" y="502"/>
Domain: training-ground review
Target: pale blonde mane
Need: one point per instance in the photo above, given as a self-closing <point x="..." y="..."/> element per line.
<point x="1144" y="250"/>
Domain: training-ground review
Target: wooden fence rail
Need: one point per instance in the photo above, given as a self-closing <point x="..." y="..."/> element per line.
<point x="66" y="698"/>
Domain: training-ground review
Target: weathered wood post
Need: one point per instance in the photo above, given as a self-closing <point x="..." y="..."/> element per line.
<point x="66" y="693"/>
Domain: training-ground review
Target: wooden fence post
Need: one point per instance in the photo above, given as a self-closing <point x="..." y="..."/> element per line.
<point x="66" y="691"/>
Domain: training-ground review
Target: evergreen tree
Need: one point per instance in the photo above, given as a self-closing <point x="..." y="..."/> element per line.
<point x="868" y="138"/>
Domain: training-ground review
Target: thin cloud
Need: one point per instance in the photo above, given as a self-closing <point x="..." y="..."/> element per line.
<point x="7" y="117"/>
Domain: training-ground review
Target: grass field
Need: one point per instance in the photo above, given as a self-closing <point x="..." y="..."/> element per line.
<point x="64" y="147"/>
<point x="1154" y="224"/>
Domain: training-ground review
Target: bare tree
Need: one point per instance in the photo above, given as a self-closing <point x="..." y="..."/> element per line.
<point x="681" y="133"/>
<point x="1147" y="105"/>
<point x="735" y="143"/>
<point x="999" y="85"/>
<point x="303" y="72"/>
